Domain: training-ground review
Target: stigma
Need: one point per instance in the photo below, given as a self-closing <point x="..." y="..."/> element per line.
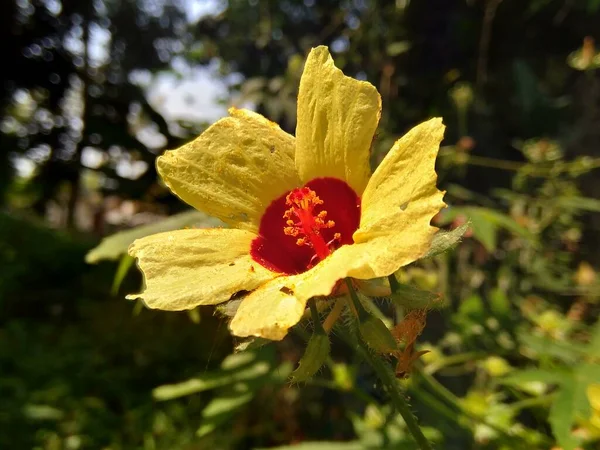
<point x="305" y="225"/>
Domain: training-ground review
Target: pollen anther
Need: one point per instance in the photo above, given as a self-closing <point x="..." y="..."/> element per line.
<point x="308" y="225"/>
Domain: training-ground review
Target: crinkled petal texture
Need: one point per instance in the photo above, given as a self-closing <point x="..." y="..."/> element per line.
<point x="398" y="205"/>
<point x="186" y="268"/>
<point x="337" y="118"/>
<point x="272" y="309"/>
<point x="234" y="169"/>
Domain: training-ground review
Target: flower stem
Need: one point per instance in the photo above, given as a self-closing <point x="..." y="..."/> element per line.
<point x="355" y="302"/>
<point x="334" y="315"/>
<point x="394" y="285"/>
<point x="388" y="379"/>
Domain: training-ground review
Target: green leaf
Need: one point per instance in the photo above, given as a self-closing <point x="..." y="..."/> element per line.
<point x="530" y="375"/>
<point x="594" y="345"/>
<point x="582" y="203"/>
<point x="42" y="412"/>
<point x="397" y="48"/>
<point x="499" y="303"/>
<point x="485" y="223"/>
<point x="445" y="240"/>
<point x="412" y="298"/>
<point x="251" y="344"/>
<point x="315" y="355"/>
<point x="568" y="352"/>
<point x="484" y="231"/>
<point x="124" y="266"/>
<point x="571" y="403"/>
<point x="115" y="245"/>
<point x="194" y="315"/>
<point x="220" y="409"/>
<point x="235" y="368"/>
<point x="377" y="336"/>
<point x="321" y="445"/>
<point x="472" y="308"/>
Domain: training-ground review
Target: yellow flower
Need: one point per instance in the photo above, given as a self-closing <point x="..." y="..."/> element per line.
<point x="304" y="212"/>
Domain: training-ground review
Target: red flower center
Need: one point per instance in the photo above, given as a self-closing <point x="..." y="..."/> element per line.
<point x="304" y="225"/>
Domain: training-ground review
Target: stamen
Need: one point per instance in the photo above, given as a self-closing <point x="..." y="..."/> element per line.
<point x="307" y="228"/>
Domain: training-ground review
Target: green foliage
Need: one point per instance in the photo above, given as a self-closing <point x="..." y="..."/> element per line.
<point x="510" y="356"/>
<point x="377" y="336"/>
<point x="114" y="246"/>
<point x="410" y="297"/>
<point x="445" y="240"/>
<point x="237" y="383"/>
<point x="316" y="354"/>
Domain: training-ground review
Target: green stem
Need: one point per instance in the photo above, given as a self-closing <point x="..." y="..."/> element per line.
<point x="315" y="316"/>
<point x="531" y="402"/>
<point x="452" y="360"/>
<point x="449" y="397"/>
<point x="358" y="306"/>
<point x="394" y="285"/>
<point x="514" y="166"/>
<point x="334" y="315"/>
<point x="388" y="379"/>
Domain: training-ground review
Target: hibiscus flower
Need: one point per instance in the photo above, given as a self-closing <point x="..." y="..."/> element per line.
<point x="303" y="212"/>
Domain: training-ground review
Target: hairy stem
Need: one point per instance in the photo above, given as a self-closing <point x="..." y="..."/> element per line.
<point x="334" y="315"/>
<point x="386" y="376"/>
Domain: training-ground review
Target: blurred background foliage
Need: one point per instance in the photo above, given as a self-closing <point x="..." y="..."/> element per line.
<point x="93" y="91"/>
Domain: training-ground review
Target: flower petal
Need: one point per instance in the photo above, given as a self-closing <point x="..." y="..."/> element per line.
<point x="186" y="268"/>
<point x="269" y="311"/>
<point x="337" y="118"/>
<point x="234" y="169"/>
<point x="399" y="203"/>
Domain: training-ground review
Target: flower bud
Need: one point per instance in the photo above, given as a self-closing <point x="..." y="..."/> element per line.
<point x="315" y="355"/>
<point x="376" y="334"/>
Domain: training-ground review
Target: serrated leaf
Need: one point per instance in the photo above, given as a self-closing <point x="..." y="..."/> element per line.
<point x="315" y="355"/>
<point x="445" y="240"/>
<point x="410" y="297"/>
<point x="117" y="244"/>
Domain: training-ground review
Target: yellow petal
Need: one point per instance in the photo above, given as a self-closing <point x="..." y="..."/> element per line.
<point x="337" y="118"/>
<point x="399" y="203"/>
<point x="269" y="311"/>
<point x="186" y="268"/>
<point x="234" y="169"/>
